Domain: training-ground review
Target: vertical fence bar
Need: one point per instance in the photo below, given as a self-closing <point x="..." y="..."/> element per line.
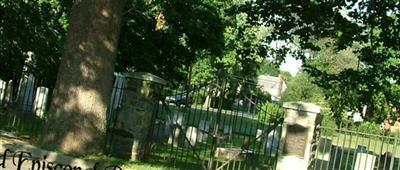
<point x="216" y="127"/>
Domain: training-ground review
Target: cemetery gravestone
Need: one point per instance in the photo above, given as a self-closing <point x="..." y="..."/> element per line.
<point x="177" y="122"/>
<point x="204" y="127"/>
<point x="191" y="135"/>
<point x="228" y="131"/>
<point x="323" y="153"/>
<point x="25" y="93"/>
<point x="133" y="126"/>
<point x="364" y="160"/>
<point x="3" y="86"/>
<point x="8" y="94"/>
<point x="39" y="105"/>
<point x="272" y="141"/>
<point x="258" y="135"/>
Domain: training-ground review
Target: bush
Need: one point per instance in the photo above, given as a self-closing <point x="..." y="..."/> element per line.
<point x="270" y="112"/>
<point x="368" y="127"/>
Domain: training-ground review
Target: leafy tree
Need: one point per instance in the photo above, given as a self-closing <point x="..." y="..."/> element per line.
<point x="38" y="27"/>
<point x="302" y="88"/>
<point x="371" y="24"/>
<point x="169" y="49"/>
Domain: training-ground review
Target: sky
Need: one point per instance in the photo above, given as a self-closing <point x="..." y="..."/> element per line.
<point x="291" y="65"/>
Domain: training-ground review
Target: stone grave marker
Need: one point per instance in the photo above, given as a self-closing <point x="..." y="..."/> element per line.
<point x="39" y="105"/>
<point x="204" y="127"/>
<point x="8" y="93"/>
<point x="177" y="122"/>
<point x="25" y="93"/>
<point x="272" y="141"/>
<point x="3" y="86"/>
<point x="323" y="153"/>
<point x="258" y="135"/>
<point x="227" y="131"/>
<point x="364" y="160"/>
<point x="191" y="135"/>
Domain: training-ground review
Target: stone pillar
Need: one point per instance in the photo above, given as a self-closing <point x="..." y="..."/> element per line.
<point x="139" y="103"/>
<point x="297" y="135"/>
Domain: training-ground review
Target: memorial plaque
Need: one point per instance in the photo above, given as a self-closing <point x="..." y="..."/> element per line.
<point x="296" y="134"/>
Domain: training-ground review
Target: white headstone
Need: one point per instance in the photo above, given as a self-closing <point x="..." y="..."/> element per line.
<point x="8" y="93"/>
<point x="228" y="131"/>
<point x="174" y="137"/>
<point x="258" y="135"/>
<point x="323" y="153"/>
<point x="3" y="86"/>
<point x="191" y="135"/>
<point x="204" y="127"/>
<point x="365" y="161"/>
<point x="39" y="105"/>
<point x="25" y="93"/>
<point x="177" y="121"/>
<point x="178" y="118"/>
<point x="116" y="95"/>
<point x="272" y="141"/>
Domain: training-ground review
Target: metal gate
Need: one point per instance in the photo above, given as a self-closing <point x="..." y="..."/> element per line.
<point x="216" y="126"/>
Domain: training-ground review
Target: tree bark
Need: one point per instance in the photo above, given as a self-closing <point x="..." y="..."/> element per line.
<point x="77" y="115"/>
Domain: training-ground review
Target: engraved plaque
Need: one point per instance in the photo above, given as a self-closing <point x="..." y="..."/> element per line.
<point x="295" y="141"/>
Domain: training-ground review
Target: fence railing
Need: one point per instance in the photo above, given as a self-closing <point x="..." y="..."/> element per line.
<point x="345" y="149"/>
<point x="210" y="123"/>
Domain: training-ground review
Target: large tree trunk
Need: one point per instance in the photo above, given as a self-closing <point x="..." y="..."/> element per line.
<point x="77" y="115"/>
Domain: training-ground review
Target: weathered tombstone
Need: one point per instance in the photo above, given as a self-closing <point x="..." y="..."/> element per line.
<point x="365" y="161"/>
<point x="323" y="153"/>
<point x="298" y="128"/>
<point x="174" y="137"/>
<point x="116" y="95"/>
<point x="25" y="93"/>
<point x="204" y="127"/>
<point x="3" y="86"/>
<point x="272" y="141"/>
<point x="258" y="135"/>
<point x="133" y="126"/>
<point x="8" y="94"/>
<point x="39" y="105"/>
<point x="177" y="122"/>
<point x="228" y="131"/>
<point x="191" y="135"/>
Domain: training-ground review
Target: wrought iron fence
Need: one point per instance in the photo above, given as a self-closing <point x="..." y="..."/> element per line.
<point x="215" y="126"/>
<point x="346" y="149"/>
<point x="23" y="107"/>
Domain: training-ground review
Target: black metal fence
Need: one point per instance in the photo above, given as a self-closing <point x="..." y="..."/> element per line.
<point x="23" y="107"/>
<point x="216" y="126"/>
<point x="345" y="149"/>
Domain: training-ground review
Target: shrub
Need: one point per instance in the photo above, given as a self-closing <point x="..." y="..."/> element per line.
<point x="270" y="112"/>
<point x="368" y="127"/>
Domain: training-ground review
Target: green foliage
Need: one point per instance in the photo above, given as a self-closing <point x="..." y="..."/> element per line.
<point x="368" y="29"/>
<point x="270" y="113"/>
<point x="38" y="27"/>
<point x="368" y="127"/>
<point x="301" y="88"/>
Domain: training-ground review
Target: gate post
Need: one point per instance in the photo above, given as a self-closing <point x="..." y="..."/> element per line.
<point x="298" y="129"/>
<point x="133" y="127"/>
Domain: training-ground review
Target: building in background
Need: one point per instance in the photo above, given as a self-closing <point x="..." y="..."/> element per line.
<point x="275" y="86"/>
